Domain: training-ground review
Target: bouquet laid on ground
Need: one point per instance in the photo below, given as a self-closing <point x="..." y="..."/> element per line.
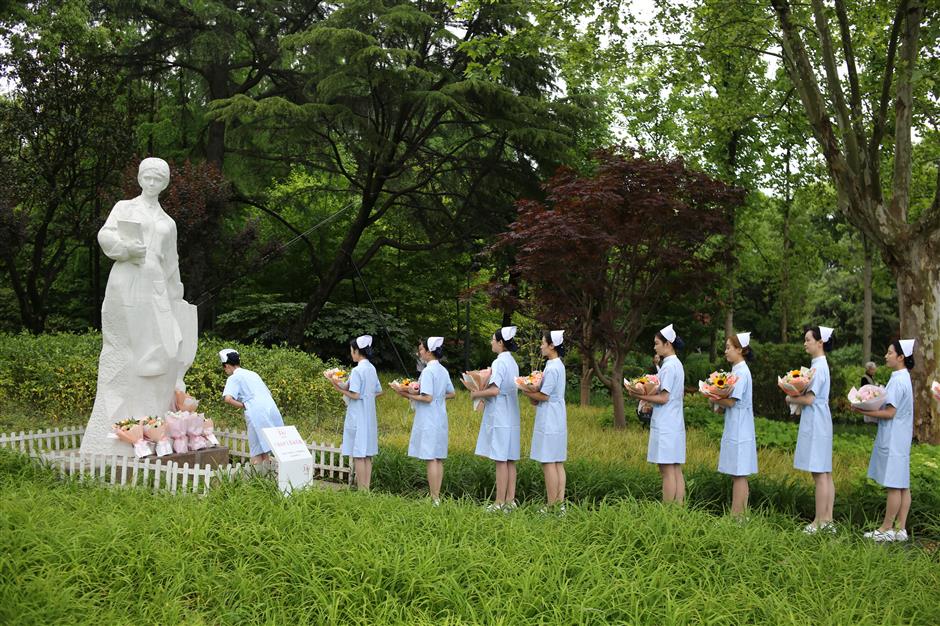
<point x="532" y="382"/>
<point x="795" y="383"/>
<point x="868" y="398"/>
<point x="157" y="431"/>
<point x="406" y="385"/>
<point x="720" y="384"/>
<point x="177" y="423"/>
<point x="935" y="389"/>
<point x="645" y="385"/>
<point x="208" y="431"/>
<point x="194" y="426"/>
<point x="131" y="431"/>
<point x="341" y="377"/>
<point x="476" y="380"/>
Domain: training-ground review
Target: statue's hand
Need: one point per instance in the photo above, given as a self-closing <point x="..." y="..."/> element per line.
<point x="136" y="252"/>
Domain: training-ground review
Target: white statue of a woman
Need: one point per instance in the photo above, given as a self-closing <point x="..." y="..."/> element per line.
<point x="148" y="331"/>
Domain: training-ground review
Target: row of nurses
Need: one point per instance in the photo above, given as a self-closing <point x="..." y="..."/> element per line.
<point x="890" y="464"/>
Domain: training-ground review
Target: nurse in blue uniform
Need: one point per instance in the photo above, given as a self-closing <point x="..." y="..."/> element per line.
<point x="667" y="425"/>
<point x="550" y="431"/>
<point x="890" y="464"/>
<point x="244" y="389"/>
<point x="499" y="438"/>
<point x="429" y="431"/>
<point x="814" y="440"/>
<point x="361" y="430"/>
<point x="738" y="455"/>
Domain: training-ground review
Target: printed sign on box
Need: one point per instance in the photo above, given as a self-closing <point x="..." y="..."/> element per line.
<point x="294" y="461"/>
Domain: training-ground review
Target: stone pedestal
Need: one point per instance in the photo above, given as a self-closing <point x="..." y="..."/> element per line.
<point x="213" y="457"/>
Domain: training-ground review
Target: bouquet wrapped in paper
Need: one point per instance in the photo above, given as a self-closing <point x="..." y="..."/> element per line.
<point x="406" y="385"/>
<point x="341" y="377"/>
<point x="185" y="402"/>
<point x="476" y="380"/>
<point x="795" y="383"/>
<point x="532" y="382"/>
<point x="868" y="398"/>
<point x="645" y="385"/>
<point x="178" y="427"/>
<point x="195" y="439"/>
<point x="720" y="384"/>
<point x="157" y="431"/>
<point x="208" y="431"/>
<point x="132" y="431"/>
<point x="935" y="390"/>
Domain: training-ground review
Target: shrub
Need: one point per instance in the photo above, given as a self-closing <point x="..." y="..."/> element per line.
<point x="56" y="374"/>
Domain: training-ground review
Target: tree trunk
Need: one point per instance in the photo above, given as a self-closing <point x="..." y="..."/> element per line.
<point x="919" y="282"/>
<point x="866" y="310"/>
<point x="616" y="392"/>
<point x="586" y="376"/>
<point x="787" y="245"/>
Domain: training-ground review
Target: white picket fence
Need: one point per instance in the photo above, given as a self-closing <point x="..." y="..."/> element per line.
<point x="59" y="447"/>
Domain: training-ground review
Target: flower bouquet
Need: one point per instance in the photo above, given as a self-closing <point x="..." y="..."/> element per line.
<point x="155" y="430"/>
<point x="795" y="383"/>
<point x="532" y="382"/>
<point x="476" y="380"/>
<point x="868" y="398"/>
<point x="208" y="428"/>
<point x="131" y="431"/>
<point x="406" y="386"/>
<point x="341" y="377"/>
<point x="185" y="402"/>
<point x="194" y="425"/>
<point x="935" y="389"/>
<point x="720" y="384"/>
<point x="177" y="424"/>
<point x="645" y="385"/>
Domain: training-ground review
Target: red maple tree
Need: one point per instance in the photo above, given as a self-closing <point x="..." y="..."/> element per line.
<point x="606" y="248"/>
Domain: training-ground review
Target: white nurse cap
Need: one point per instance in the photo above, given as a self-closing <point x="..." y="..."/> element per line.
<point x="825" y="333"/>
<point x="364" y="341"/>
<point x="907" y="346"/>
<point x="507" y="332"/>
<point x="744" y="339"/>
<point x="668" y="333"/>
<point x="223" y="354"/>
<point x="434" y="343"/>
<point x="558" y="337"/>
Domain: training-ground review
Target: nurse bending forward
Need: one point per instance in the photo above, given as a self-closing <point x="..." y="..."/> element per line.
<point x="738" y="456"/>
<point x="429" y="431"/>
<point x="814" y="440"/>
<point x="245" y="390"/>
<point x="361" y="430"/>
<point x="667" y="424"/>
<point x="499" y="431"/>
<point x="890" y="464"/>
<point x="550" y="431"/>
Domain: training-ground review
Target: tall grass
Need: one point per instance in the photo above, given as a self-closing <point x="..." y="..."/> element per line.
<point x="244" y="554"/>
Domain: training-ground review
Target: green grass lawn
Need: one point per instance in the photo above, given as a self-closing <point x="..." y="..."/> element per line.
<point x="75" y="553"/>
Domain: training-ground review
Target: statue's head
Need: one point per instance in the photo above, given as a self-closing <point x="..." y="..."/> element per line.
<point x="153" y="175"/>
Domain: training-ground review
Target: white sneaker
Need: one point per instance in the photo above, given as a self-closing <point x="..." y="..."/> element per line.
<point x="828" y="527"/>
<point x="900" y="535"/>
<point x="879" y="536"/>
<point x="493" y="508"/>
<point x="810" y="529"/>
<point x="435" y="502"/>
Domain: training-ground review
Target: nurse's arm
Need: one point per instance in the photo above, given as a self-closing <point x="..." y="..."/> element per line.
<point x="490" y="392"/>
<point x="886" y="413"/>
<point x="806" y="399"/>
<point x="724" y="402"/>
<point x="235" y="403"/>
<point x="419" y="397"/>
<point x="538" y="396"/>
<point x="657" y="398"/>
<point x="450" y="395"/>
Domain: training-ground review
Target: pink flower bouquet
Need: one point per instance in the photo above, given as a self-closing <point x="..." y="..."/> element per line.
<point x="795" y="383"/>
<point x="720" y="384"/>
<point x="868" y="398"/>
<point x="196" y="440"/>
<point x="935" y="389"/>
<point x="156" y="430"/>
<point x="176" y="422"/>
<point x="645" y="385"/>
<point x="208" y="430"/>
<point x="476" y="380"/>
<point x="532" y="382"/>
<point x="132" y="432"/>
